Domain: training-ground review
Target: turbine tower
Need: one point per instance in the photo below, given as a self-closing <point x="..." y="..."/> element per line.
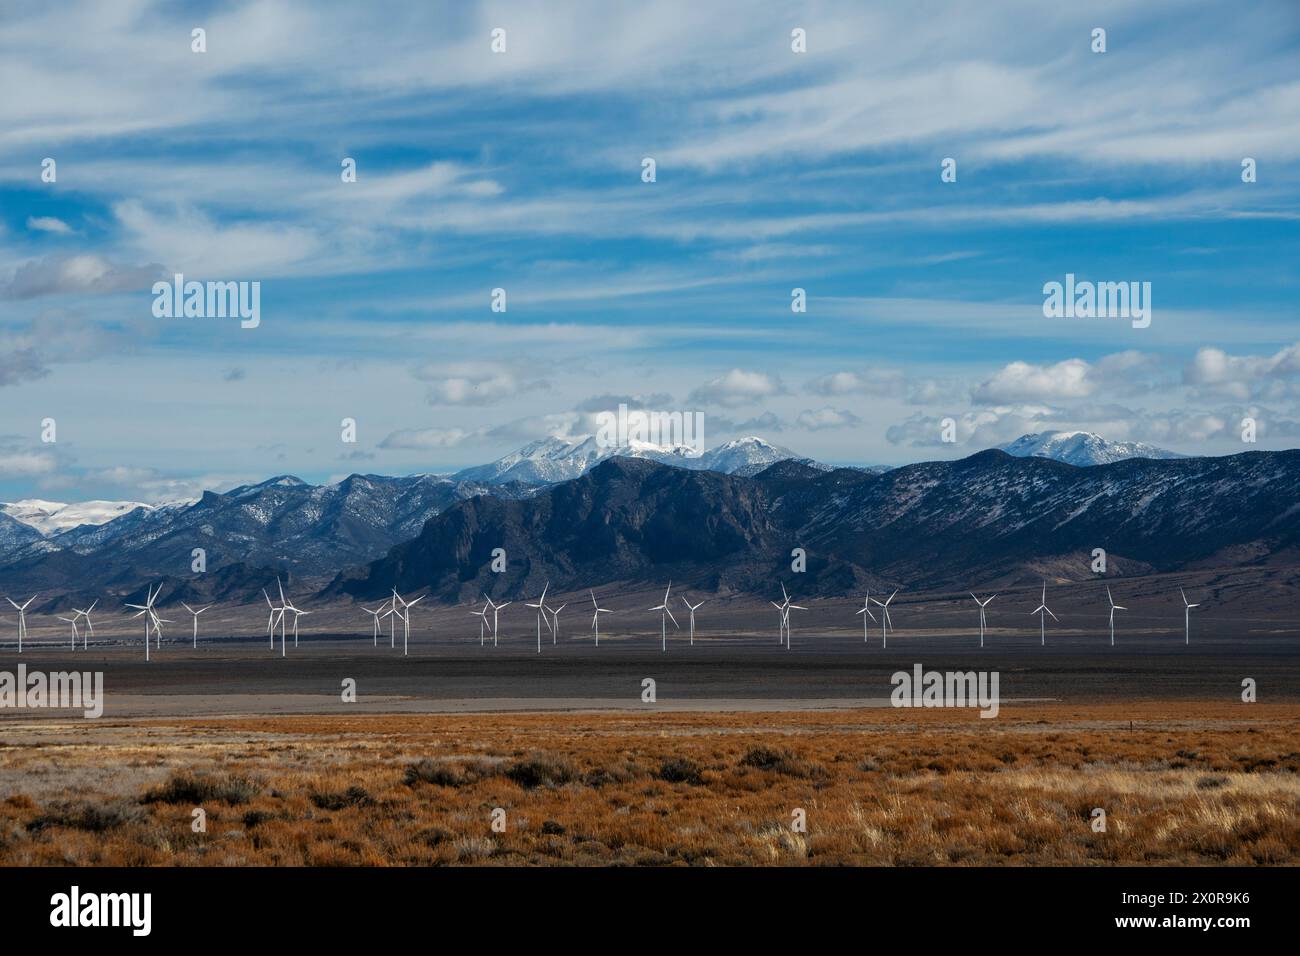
<point x="276" y="616"/>
<point x="482" y="624"/>
<point x="782" y="609"/>
<point x="496" y="609"/>
<point x="788" y="608"/>
<point x="1187" y="617"/>
<point x="595" y="618"/>
<point x="665" y="616"/>
<point x="886" y="624"/>
<point x="405" y="615"/>
<point x="541" y="610"/>
<point x="1042" y="611"/>
<point x="694" y="608"/>
<point x="555" y="621"/>
<point x="866" y="612"/>
<point x="376" y="614"/>
<point x="90" y="627"/>
<point x="1113" y="608"/>
<point x="150" y="616"/>
<point x="22" y="619"/>
<point x="983" y="604"/>
<point x="73" y="622"/>
<point x="296" y="614"/>
<point x="192" y="611"/>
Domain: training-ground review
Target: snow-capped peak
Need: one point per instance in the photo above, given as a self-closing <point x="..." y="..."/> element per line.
<point x="52" y="517"/>
<point x="562" y="458"/>
<point x="1082" y="448"/>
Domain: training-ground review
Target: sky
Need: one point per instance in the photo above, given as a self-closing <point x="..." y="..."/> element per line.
<point x="522" y="170"/>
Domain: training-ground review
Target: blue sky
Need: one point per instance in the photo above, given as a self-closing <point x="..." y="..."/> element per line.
<point x="521" y="170"/>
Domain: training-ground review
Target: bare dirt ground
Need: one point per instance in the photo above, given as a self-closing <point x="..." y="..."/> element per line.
<point x="1180" y="782"/>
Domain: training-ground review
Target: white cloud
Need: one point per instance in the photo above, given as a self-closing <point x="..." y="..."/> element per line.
<point x="1241" y="376"/>
<point x="821" y="418"/>
<point x="48" y="224"/>
<point x="737" y="387"/>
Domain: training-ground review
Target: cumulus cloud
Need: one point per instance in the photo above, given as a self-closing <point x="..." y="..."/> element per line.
<point x="737" y="387"/>
<point x="822" y="418"/>
<point x="866" y="382"/>
<point x="476" y="385"/>
<point x="1125" y="372"/>
<point x="1244" y="376"/>
<point x="87" y="274"/>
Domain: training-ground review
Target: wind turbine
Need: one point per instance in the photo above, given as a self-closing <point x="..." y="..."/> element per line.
<point x="663" y="618"/>
<point x="1042" y="611"/>
<point x="192" y="611"/>
<point x="482" y="624"/>
<point x="785" y="619"/>
<point x="405" y="615"/>
<point x="1113" y="608"/>
<point x="296" y="614"/>
<point x="886" y="624"/>
<point x="73" y="622"/>
<point x="595" y="618"/>
<point x="22" y="619"/>
<point x="276" y="615"/>
<point x="1187" y="618"/>
<point x="983" y="604"/>
<point x="555" y="619"/>
<point x="90" y="627"/>
<point x="150" y="616"/>
<point x="541" y="610"/>
<point x="866" y="612"/>
<point x="496" y="609"/>
<point x="376" y="614"/>
<point x="694" y="608"/>
<point x="788" y="608"/>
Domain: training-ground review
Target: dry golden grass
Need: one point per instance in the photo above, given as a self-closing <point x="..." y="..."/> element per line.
<point x="1188" y="783"/>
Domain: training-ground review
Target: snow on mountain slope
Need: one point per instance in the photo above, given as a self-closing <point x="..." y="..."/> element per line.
<point x="553" y="459"/>
<point x="52" y="517"/>
<point x="1082" y="448"/>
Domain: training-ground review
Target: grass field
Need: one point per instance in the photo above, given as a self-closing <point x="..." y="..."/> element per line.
<point x="1190" y="783"/>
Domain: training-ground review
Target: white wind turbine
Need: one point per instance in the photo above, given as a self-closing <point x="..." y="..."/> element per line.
<point x="541" y="611"/>
<point x="886" y="624"/>
<point x="151" y="618"/>
<point x="405" y="615"/>
<point x="665" y="616"/>
<point x="788" y="608"/>
<point x="73" y="622"/>
<point x="1113" y="608"/>
<point x="89" y="632"/>
<point x="694" y="608"/>
<point x="496" y="609"/>
<point x="783" y="610"/>
<point x="376" y="614"/>
<point x="1187" y="617"/>
<point x="483" y="622"/>
<point x="22" y="618"/>
<point x="192" y="611"/>
<point x="595" y="618"/>
<point x="296" y="614"/>
<point x="1042" y="611"/>
<point x="555" y="621"/>
<point x="276" y="616"/>
<point x="866" y="612"/>
<point x="983" y="604"/>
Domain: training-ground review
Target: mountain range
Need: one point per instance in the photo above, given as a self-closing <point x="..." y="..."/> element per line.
<point x="990" y="519"/>
<point x="736" y="512"/>
<point x="1082" y="448"/>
